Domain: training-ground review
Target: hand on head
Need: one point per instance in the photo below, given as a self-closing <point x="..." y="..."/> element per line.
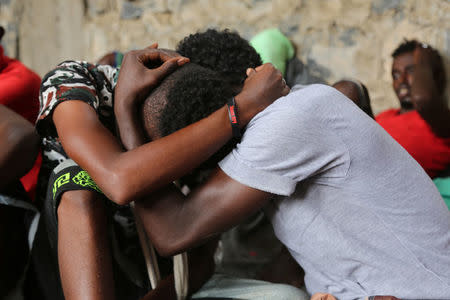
<point x="137" y="78"/>
<point x="263" y="86"/>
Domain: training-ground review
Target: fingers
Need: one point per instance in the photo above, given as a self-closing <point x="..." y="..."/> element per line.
<point x="268" y="67"/>
<point x="162" y="55"/>
<point x="250" y="72"/>
<point x="164" y="70"/>
<point x="285" y="90"/>
<point x="152" y="46"/>
<point x="322" y="296"/>
<point x="183" y="60"/>
<point x="168" y="66"/>
<point x="259" y="68"/>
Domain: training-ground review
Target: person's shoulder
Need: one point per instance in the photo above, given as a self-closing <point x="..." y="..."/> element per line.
<point x="83" y="65"/>
<point x="75" y="70"/>
<point x="312" y="88"/>
<point x="310" y="98"/>
<point x="298" y="109"/>
<point x="313" y="91"/>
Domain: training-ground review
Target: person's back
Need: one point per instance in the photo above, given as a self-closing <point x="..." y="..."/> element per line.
<point x="361" y="217"/>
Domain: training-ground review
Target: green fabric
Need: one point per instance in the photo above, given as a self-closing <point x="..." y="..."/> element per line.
<point x="273" y="47"/>
<point x="118" y="58"/>
<point x="443" y="185"/>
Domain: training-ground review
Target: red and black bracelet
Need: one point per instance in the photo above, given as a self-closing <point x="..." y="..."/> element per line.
<point x="234" y="120"/>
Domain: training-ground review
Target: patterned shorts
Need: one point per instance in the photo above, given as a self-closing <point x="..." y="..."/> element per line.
<point x="67" y="176"/>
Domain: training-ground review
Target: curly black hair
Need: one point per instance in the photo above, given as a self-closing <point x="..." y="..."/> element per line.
<point x="438" y="67"/>
<point x="223" y="51"/>
<point x="184" y="97"/>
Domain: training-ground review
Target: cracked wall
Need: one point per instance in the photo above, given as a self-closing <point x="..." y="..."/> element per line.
<point x="336" y="38"/>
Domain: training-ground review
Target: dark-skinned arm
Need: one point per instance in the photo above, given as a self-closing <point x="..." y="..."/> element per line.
<point x="201" y="268"/>
<point x="176" y="223"/>
<point x="201" y="259"/>
<point x="427" y="99"/>
<point x="129" y="94"/>
<point x="125" y="176"/>
<point x="19" y="146"/>
<point x="84" y="256"/>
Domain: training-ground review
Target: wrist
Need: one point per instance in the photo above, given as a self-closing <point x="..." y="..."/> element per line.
<point x="124" y="107"/>
<point x="233" y="115"/>
<point x="244" y="115"/>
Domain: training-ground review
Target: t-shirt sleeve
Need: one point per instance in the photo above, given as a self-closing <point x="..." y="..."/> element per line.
<point x="283" y="146"/>
<point x="70" y="80"/>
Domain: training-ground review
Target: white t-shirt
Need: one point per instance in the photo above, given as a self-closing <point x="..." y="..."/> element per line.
<point x="355" y="210"/>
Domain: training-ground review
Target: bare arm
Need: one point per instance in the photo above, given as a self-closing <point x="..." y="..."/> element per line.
<point x="129" y="94"/>
<point x="19" y="146"/>
<point x="201" y="268"/>
<point x="428" y="100"/>
<point x="125" y="176"/>
<point x="84" y="255"/>
<point x="175" y="223"/>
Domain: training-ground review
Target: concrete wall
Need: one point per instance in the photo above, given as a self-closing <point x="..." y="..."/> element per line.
<point x="336" y="38"/>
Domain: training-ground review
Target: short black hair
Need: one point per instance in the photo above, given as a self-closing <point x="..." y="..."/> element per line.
<point x="438" y="67"/>
<point x="223" y="51"/>
<point x="184" y="97"/>
<point x="405" y="47"/>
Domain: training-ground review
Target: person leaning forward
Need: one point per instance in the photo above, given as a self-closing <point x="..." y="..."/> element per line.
<point x="85" y="131"/>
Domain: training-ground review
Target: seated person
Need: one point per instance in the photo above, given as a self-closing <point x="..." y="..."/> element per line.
<point x="19" y="88"/>
<point x="351" y="205"/>
<point x="19" y="147"/>
<point x="249" y="250"/>
<point x="357" y="92"/>
<point x="78" y="121"/>
<point x="421" y="123"/>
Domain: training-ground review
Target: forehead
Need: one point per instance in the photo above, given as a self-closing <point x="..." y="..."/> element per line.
<point x="403" y="60"/>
